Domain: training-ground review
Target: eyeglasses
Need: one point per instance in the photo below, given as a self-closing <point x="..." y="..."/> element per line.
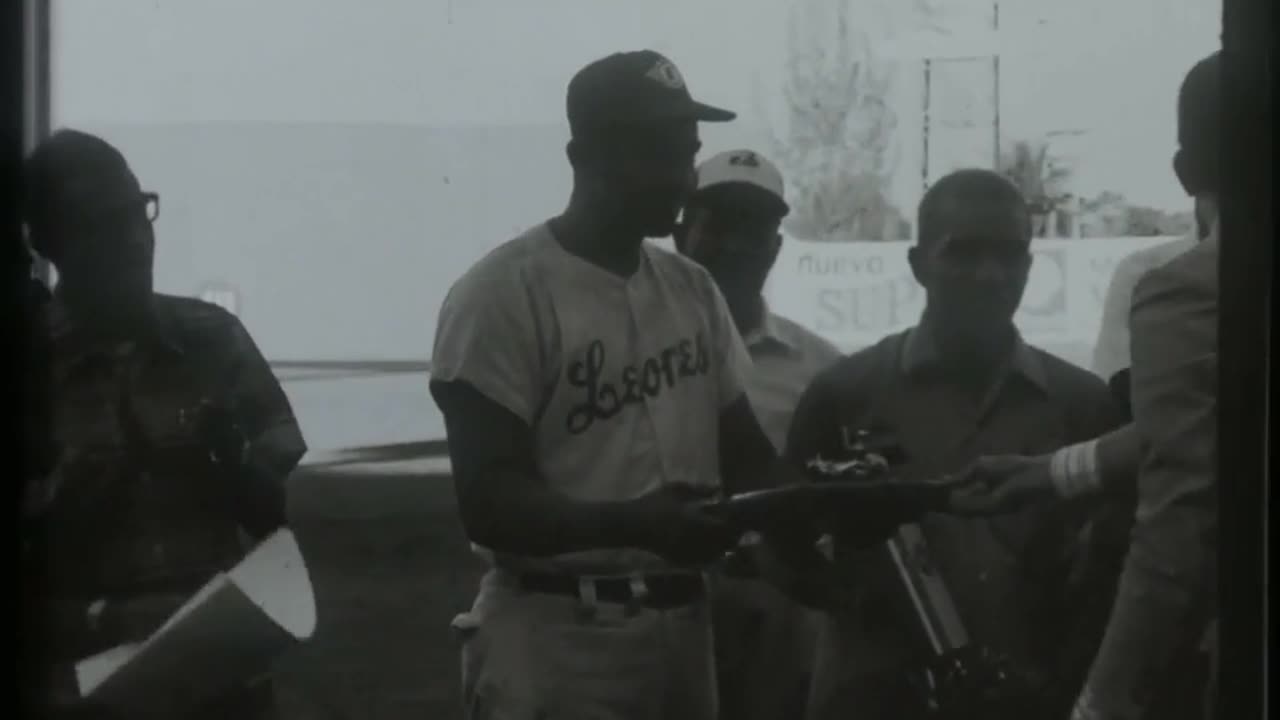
<point x="151" y="203"/>
<point x="108" y="217"/>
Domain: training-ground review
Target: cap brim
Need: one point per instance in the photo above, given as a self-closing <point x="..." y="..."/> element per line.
<point x="707" y="113"/>
<point x="759" y="197"/>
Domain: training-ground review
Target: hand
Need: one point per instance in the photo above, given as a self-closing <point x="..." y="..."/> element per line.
<point x="673" y="522"/>
<point x="999" y="484"/>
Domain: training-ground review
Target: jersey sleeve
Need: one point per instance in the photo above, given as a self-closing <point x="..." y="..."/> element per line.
<point x="731" y="351"/>
<point x="486" y="337"/>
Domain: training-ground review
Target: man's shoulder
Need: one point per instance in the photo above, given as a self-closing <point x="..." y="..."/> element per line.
<point x="511" y="256"/>
<point x="1192" y="274"/>
<point x="1156" y="255"/>
<point x="1078" y="392"/>
<point x="502" y="271"/>
<point x="669" y="264"/>
<point x="873" y="364"/>
<point x="201" y="326"/>
<point x="194" y="315"/>
<point x="1065" y="376"/>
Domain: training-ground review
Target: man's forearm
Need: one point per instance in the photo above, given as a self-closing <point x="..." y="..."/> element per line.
<point x="533" y="521"/>
<point x="268" y="460"/>
<point x="1105" y="464"/>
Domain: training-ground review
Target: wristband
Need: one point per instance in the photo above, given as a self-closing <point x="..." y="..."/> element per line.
<point x="1073" y="470"/>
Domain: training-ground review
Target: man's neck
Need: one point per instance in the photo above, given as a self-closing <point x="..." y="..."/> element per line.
<point x="98" y="326"/>
<point x="748" y="314"/>
<point x="597" y="237"/>
<point x="1207" y="215"/>
<point x="969" y="360"/>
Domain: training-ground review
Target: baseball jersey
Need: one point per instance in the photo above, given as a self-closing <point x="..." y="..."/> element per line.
<point x="621" y="379"/>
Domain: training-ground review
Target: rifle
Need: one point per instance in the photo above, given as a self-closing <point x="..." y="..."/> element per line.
<point x="957" y="678"/>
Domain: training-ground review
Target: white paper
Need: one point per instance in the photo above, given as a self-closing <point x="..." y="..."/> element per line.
<point x="91" y="671"/>
<point x="274" y="576"/>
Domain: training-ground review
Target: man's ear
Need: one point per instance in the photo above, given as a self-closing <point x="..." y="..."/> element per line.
<point x="919" y="266"/>
<point x="774" y="248"/>
<point x="681" y="232"/>
<point x="1182" y="169"/>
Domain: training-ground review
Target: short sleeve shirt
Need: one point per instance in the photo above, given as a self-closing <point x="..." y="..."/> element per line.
<point x="621" y="379"/>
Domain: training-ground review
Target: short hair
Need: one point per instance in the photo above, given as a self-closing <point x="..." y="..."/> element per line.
<point x="973" y="187"/>
<point x="68" y="170"/>
<point x="1199" y="123"/>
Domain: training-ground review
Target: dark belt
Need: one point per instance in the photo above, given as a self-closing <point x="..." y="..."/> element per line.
<point x="661" y="591"/>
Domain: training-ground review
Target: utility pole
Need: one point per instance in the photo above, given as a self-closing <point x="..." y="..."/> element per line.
<point x="36" y="94"/>
<point x="995" y="27"/>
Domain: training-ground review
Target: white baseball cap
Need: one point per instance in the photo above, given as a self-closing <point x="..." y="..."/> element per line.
<point x="743" y="167"/>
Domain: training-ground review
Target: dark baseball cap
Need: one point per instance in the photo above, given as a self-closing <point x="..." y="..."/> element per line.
<point x="633" y="90"/>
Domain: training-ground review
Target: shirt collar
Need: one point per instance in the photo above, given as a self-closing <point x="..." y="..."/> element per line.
<point x="919" y="354"/>
<point x="769" y="335"/>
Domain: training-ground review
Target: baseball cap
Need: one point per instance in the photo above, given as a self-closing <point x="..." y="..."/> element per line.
<point x="744" y="168"/>
<point x="631" y="89"/>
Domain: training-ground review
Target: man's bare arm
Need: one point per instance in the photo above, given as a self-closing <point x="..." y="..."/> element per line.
<point x="273" y="443"/>
<point x="1105" y="464"/>
<point x="505" y="505"/>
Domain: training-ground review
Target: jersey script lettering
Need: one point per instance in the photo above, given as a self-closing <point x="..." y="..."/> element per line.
<point x="603" y="399"/>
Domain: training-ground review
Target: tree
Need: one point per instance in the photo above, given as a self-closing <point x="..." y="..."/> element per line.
<point x="837" y="149"/>
<point x="1043" y="183"/>
<point x="1111" y="215"/>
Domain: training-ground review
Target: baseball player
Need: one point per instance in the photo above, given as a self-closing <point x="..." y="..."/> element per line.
<point x="591" y="386"/>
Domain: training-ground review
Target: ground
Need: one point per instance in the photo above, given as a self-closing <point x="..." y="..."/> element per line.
<point x="390" y="568"/>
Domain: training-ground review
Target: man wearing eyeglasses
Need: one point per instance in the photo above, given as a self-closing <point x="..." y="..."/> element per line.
<point x="172" y="437"/>
<point x="764" y="641"/>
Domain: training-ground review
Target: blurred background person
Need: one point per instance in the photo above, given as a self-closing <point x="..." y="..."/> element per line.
<point x="172" y="438"/>
<point x="764" y="641"/>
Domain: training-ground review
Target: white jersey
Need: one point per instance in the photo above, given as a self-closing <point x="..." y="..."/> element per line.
<point x="621" y="379"/>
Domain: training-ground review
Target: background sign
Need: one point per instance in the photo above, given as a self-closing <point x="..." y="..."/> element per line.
<point x="854" y="294"/>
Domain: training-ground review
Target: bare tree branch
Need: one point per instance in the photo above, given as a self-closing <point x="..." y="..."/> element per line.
<point x="838" y="151"/>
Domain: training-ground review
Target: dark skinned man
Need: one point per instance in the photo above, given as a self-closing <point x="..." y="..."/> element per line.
<point x="1148" y="665"/>
<point x="960" y="384"/>
<point x="764" y="640"/>
<point x="173" y="438"/>
<point x="592" y="390"/>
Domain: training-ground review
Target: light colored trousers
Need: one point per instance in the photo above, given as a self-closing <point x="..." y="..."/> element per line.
<point x="530" y="656"/>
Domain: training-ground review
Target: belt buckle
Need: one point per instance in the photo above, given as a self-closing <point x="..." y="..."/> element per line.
<point x="588" y="598"/>
<point x="639" y="593"/>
